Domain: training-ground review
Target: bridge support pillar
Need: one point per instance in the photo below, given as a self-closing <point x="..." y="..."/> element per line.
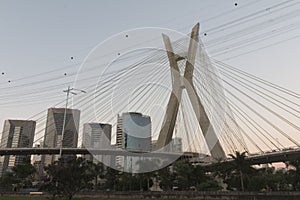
<point x="167" y="129"/>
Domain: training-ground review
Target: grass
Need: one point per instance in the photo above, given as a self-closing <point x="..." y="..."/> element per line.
<point x="75" y="198"/>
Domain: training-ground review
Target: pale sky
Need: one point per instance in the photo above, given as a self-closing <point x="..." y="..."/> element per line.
<point x="40" y="36"/>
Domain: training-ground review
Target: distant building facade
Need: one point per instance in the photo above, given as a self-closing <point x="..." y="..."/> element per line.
<point x="175" y="145"/>
<point x="97" y="136"/>
<point x="37" y="157"/>
<point x="16" y="134"/>
<point x="37" y="163"/>
<point x="133" y="134"/>
<point x="153" y="145"/>
<point x="53" y="131"/>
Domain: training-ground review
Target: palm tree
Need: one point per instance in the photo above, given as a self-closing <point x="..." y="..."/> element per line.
<point x="241" y="165"/>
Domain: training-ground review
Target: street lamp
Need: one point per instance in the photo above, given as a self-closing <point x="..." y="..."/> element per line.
<point x="68" y="91"/>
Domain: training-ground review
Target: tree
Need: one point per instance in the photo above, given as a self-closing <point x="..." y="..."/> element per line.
<point x="146" y="179"/>
<point x="23" y="173"/>
<point x="208" y="185"/>
<point x="241" y="166"/>
<point x="269" y="179"/>
<point x="7" y="181"/>
<point x="186" y="176"/>
<point x="20" y="176"/>
<point x="294" y="173"/>
<point x="128" y="182"/>
<point x="67" y="176"/>
<point x="166" y="178"/>
<point x="97" y="169"/>
<point x="112" y="177"/>
<point x="183" y="172"/>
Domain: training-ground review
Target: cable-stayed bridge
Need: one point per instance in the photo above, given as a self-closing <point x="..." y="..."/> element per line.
<point x="244" y="112"/>
<point x="268" y="157"/>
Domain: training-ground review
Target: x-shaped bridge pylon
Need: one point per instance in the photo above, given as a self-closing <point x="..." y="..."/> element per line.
<point x="179" y="83"/>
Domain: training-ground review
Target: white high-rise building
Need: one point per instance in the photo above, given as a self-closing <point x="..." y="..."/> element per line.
<point x="96" y="136"/>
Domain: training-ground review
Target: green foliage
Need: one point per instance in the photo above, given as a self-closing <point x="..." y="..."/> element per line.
<point x="75" y="198"/>
<point x="111" y="179"/>
<point x="166" y="178"/>
<point x="294" y="173"/>
<point x="7" y="180"/>
<point x="69" y="175"/>
<point x="183" y="173"/>
<point x="132" y="182"/>
<point x="208" y="185"/>
<point x="21" y="176"/>
<point x="241" y="168"/>
<point x="244" y="177"/>
<point x="97" y="171"/>
<point x="185" y="176"/>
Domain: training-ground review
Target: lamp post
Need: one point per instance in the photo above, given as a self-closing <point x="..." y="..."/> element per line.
<point x="68" y="91"/>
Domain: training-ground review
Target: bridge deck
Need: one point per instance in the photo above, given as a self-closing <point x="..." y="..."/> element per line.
<point x="271" y="157"/>
<point x="83" y="151"/>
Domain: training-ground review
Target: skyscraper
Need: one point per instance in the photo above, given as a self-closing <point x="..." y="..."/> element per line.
<point x="53" y="131"/>
<point x="96" y="136"/>
<point x="16" y="134"/>
<point x="133" y="134"/>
